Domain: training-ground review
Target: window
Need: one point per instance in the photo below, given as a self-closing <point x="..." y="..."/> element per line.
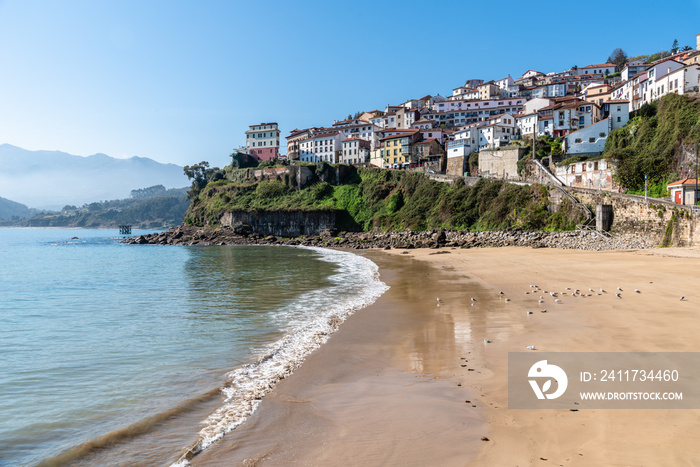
<point x="577" y="140"/>
<point x="619" y="119"/>
<point x="602" y="135"/>
<point x="591" y="140"/>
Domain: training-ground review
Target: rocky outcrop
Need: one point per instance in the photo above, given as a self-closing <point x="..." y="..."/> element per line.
<point x="580" y="240"/>
<point x="282" y="223"/>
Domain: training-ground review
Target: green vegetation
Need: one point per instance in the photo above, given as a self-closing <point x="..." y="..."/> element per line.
<point x="668" y="234"/>
<point x="386" y="200"/>
<point x="165" y="208"/>
<point x="11" y="210"/>
<point x="649" y="144"/>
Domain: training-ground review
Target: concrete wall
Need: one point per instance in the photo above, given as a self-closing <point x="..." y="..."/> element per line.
<point x="282" y="223"/>
<point x="632" y="215"/>
<point x="501" y="163"/>
<point x="457" y="165"/>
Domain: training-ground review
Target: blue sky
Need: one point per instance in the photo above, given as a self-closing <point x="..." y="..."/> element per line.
<point x="180" y="81"/>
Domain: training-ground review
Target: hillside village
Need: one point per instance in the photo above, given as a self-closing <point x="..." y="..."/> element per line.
<point x="485" y="127"/>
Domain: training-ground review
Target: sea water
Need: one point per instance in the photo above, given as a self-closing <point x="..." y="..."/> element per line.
<point x="114" y="354"/>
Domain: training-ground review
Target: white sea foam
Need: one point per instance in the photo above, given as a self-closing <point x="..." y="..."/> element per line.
<point x="355" y="285"/>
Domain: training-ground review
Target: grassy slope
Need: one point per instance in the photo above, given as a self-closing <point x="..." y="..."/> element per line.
<point x="391" y="200"/>
<point x="649" y="143"/>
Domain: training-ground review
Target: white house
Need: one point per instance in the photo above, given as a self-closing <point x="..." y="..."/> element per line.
<point x="458" y="113"/>
<point x="465" y="142"/>
<point x="526" y="123"/>
<point x="437" y="133"/>
<point x="423" y="123"/>
<point x="535" y="104"/>
<point x="618" y="111"/>
<point x="602" y="69"/>
<point x="649" y="88"/>
<point x="632" y="68"/>
<point x="589" y="140"/>
<point x="558" y="89"/>
<point x="504" y="84"/>
<point x="358" y="128"/>
<point x="592" y="138"/>
<point x="324" y="147"/>
<point x="679" y="81"/>
<point x="531" y="74"/>
<point x="355" y="151"/>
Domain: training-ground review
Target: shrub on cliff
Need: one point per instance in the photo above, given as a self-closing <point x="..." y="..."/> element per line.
<point x="270" y="189"/>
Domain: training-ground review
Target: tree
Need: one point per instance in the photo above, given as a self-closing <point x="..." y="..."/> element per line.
<point x="658" y="56"/>
<point x="201" y="174"/>
<point x="674" y="47"/>
<point x="619" y="58"/>
<point x="241" y="160"/>
<point x="686" y="48"/>
<point x="644" y="58"/>
<point x="155" y="190"/>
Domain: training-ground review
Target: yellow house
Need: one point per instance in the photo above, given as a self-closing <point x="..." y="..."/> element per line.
<point x="396" y="148"/>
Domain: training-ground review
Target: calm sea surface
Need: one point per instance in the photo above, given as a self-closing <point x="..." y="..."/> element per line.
<point x="116" y="354"/>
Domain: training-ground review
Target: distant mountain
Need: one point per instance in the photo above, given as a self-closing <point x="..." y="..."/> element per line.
<point x="53" y="179"/>
<point x="10" y="209"/>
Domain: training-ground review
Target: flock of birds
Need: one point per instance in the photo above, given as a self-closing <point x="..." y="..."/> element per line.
<point x="555" y="295"/>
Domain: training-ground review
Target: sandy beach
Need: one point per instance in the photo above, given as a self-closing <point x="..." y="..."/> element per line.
<point x="410" y="380"/>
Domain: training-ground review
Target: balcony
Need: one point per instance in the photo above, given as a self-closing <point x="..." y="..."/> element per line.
<point x="460" y="143"/>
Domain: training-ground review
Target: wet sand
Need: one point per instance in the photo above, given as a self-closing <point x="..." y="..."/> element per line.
<point x="390" y="387"/>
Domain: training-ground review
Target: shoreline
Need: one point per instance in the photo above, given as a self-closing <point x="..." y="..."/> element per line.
<point x="375" y="393"/>
<point x="407" y="239"/>
<point x="407" y="362"/>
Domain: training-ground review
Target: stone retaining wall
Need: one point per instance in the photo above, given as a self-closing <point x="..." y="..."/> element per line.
<point x="651" y="219"/>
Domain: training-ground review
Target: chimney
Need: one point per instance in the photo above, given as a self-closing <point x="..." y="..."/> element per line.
<point x="697" y="42"/>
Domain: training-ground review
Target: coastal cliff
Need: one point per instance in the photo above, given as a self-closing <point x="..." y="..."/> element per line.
<point x="376" y="199"/>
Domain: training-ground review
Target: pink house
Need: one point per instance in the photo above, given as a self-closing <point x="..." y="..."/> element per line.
<point x="262" y="141"/>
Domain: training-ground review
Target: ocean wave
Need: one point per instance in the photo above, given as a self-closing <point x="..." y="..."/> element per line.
<point x="354" y="285"/>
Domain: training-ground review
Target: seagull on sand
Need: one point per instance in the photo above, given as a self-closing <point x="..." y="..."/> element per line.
<point x="618" y="295"/>
<point x="530" y="347"/>
<point x="487" y="341"/>
<point x="619" y="289"/>
<point x="590" y="289"/>
<point x="557" y="300"/>
<point x="439" y="299"/>
<point x="637" y="290"/>
<point x="682" y="298"/>
<point x="507" y="299"/>
<point x="473" y="299"/>
<point x="529" y="312"/>
<point x="602" y="290"/>
<point x="500" y="293"/>
<point x="544" y="311"/>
